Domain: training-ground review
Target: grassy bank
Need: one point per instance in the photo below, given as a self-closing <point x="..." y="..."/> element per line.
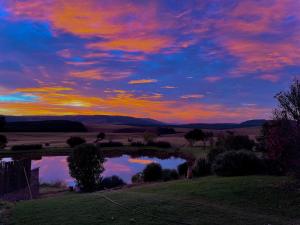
<point x="212" y="200"/>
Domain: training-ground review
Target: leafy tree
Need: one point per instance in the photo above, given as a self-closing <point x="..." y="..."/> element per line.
<point x="3" y="141"/>
<point x="75" y="141"/>
<point x="101" y="136"/>
<point x="86" y="165"/>
<point x="182" y="169"/>
<point x="194" y="135"/>
<point x="2" y="122"/>
<point x="152" y="172"/>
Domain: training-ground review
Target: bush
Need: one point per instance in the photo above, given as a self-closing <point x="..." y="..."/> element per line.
<point x="201" y="168"/>
<point x="237" y="163"/>
<point x="3" y="141"/>
<point x="152" y="172"/>
<point x="168" y="174"/>
<point x="112" y="182"/>
<point x="160" y="144"/>
<point x="182" y="169"/>
<point x="274" y="167"/>
<point x="86" y="166"/>
<point x="194" y="136"/>
<point x="236" y="142"/>
<point x="111" y="144"/>
<point x="26" y="147"/>
<point x="165" y="130"/>
<point x="137" y="144"/>
<point x="75" y="141"/>
<point x="137" y="178"/>
<point x="213" y="153"/>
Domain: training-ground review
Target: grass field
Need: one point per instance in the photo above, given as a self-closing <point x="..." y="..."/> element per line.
<point x="254" y="200"/>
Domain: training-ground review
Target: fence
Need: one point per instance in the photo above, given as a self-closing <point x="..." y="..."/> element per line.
<point x="15" y="177"/>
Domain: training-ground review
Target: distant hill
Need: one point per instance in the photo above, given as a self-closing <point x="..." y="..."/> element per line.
<point x="97" y="119"/>
<point x="45" y="126"/>
<point x="223" y="126"/>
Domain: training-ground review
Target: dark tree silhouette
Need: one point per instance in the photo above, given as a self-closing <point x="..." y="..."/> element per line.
<point x="2" y="122"/>
<point x="75" y="141"/>
<point x="86" y="166"/>
<point x="3" y="141"/>
<point x="194" y="135"/>
<point x="101" y="136"/>
<point x="280" y="138"/>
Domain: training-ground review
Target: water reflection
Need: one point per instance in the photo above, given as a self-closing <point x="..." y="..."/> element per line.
<point x="55" y="168"/>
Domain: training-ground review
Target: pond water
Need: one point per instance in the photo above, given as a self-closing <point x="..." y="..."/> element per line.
<point x="55" y="168"/>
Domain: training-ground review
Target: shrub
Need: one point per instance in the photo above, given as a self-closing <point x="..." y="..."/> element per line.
<point x="137" y="178"/>
<point x="100" y="137"/>
<point x="112" y="182"/>
<point x="149" y="137"/>
<point x="111" y="144"/>
<point x="237" y="163"/>
<point x="137" y="144"/>
<point x="75" y="141"/>
<point x="168" y="174"/>
<point x="26" y="147"/>
<point x="237" y="142"/>
<point x="274" y="167"/>
<point x="213" y="153"/>
<point x="152" y="172"/>
<point x="160" y="144"/>
<point x="86" y="166"/>
<point x="182" y="169"/>
<point x="201" y="168"/>
<point x="194" y="136"/>
<point x="165" y="130"/>
<point x="3" y="141"/>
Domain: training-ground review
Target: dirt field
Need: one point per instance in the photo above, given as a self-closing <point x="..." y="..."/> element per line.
<point x="59" y="139"/>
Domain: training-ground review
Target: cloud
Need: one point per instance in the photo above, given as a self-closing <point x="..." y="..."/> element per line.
<point x="142" y="81"/>
<point x="195" y="96"/>
<point x="169" y="87"/>
<point x="269" y="77"/>
<point x="213" y="79"/>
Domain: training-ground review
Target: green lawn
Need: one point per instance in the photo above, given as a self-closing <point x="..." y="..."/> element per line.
<point x="252" y="200"/>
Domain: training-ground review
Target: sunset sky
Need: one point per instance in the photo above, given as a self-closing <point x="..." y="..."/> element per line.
<point x="175" y="61"/>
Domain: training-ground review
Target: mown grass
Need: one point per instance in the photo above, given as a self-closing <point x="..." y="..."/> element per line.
<point x="252" y="200"/>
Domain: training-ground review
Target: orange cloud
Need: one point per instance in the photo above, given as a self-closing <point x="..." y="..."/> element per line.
<point x="92" y="18"/>
<point x="67" y="103"/>
<point x="142" y="81"/>
<point x="133" y="44"/>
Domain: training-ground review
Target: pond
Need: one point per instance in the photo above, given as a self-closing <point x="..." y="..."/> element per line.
<point x="55" y="168"/>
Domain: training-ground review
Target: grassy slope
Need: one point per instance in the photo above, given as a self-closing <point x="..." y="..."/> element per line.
<point x="206" y="201"/>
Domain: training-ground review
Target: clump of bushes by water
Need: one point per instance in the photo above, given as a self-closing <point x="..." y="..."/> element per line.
<point x="201" y="168"/>
<point x="169" y="174"/>
<point x="26" y="147"/>
<point x="182" y="169"/>
<point x="112" y="182"/>
<point x="110" y="144"/>
<point x="75" y="141"/>
<point x="137" y="178"/>
<point x="237" y="163"/>
<point x="152" y="172"/>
